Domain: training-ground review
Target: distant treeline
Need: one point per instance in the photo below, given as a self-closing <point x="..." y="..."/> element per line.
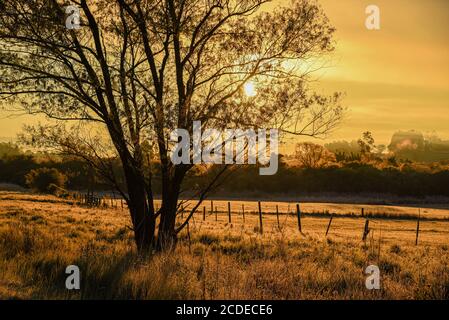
<point x="80" y="176"/>
<point x="353" y="177"/>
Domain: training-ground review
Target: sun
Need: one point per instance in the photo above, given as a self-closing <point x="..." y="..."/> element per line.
<point x="250" y="89"/>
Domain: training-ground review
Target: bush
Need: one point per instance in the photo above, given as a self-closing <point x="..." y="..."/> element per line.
<point x="46" y="180"/>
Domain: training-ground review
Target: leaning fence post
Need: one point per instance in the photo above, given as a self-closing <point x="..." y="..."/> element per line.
<point x="188" y="237"/>
<point x="366" y="230"/>
<point x="229" y="211"/>
<point x="329" y="225"/>
<point x="277" y="216"/>
<point x="260" y="219"/>
<point x="204" y="213"/>
<point x="417" y="227"/>
<point x="298" y="212"/>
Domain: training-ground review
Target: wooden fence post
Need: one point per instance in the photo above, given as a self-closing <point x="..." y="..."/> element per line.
<point x="366" y="230"/>
<point x="329" y="225"/>
<point x="243" y="212"/>
<point x="417" y="228"/>
<point x="211" y="207"/>
<point x="277" y="216"/>
<point x="188" y="237"/>
<point x="229" y="212"/>
<point x="363" y="212"/>
<point x="121" y="203"/>
<point x="204" y="213"/>
<point x="216" y="214"/>
<point x="298" y="212"/>
<point x="260" y="219"/>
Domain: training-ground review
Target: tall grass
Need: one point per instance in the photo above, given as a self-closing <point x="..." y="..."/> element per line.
<point x="219" y="267"/>
<point x="38" y="243"/>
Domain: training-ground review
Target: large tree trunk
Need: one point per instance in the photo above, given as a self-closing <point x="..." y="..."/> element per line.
<point x="166" y="234"/>
<point x="143" y="222"/>
<point x="141" y="211"/>
<point x="167" y="237"/>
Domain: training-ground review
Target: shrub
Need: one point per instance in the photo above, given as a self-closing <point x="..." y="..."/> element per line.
<point x="46" y="180"/>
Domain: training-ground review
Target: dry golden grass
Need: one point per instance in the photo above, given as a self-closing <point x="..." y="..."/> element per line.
<point x="41" y="235"/>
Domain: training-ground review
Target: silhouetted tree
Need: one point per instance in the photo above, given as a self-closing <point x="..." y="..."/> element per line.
<point x="313" y="156"/>
<point x="137" y="69"/>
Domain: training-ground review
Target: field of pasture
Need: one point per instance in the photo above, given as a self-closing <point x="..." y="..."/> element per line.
<point x="217" y="259"/>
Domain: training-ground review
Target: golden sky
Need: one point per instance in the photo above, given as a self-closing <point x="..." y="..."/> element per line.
<point x="396" y="78"/>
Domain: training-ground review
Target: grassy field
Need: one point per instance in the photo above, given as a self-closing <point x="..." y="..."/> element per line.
<point x="41" y="235"/>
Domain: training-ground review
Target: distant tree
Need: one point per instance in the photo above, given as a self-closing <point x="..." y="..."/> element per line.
<point x="366" y="143"/>
<point x="46" y="180"/>
<point x="313" y="156"/>
<point x="406" y="141"/>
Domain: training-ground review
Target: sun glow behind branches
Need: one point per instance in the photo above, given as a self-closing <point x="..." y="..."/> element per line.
<point x="250" y="89"/>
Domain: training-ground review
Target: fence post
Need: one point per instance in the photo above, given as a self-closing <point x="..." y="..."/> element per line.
<point x="188" y="237"/>
<point x="329" y="225"/>
<point x="204" y="213"/>
<point x="229" y="212"/>
<point x="121" y="203"/>
<point x="216" y="214"/>
<point x="277" y="216"/>
<point x="417" y="227"/>
<point x="243" y="212"/>
<point x="363" y="212"/>
<point x="260" y="219"/>
<point x="366" y="230"/>
<point x="298" y="212"/>
<point x="211" y="207"/>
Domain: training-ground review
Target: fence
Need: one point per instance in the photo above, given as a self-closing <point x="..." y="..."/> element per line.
<point x="91" y="200"/>
<point x="293" y="210"/>
<point x="371" y="221"/>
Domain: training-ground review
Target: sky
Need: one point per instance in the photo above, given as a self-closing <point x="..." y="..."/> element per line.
<point x="395" y="78"/>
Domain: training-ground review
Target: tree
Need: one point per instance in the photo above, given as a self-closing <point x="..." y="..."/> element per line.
<point x="47" y="180"/>
<point x="136" y="70"/>
<point x="313" y="156"/>
<point x="366" y="143"/>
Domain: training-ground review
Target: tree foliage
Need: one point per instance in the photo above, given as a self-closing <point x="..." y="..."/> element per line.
<point x="46" y="180"/>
